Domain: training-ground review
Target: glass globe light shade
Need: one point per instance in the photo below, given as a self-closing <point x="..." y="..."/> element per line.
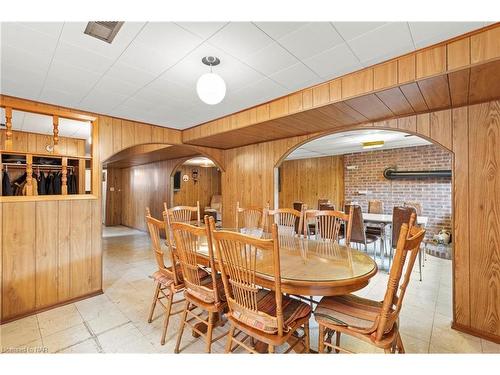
<point x="211" y="88"/>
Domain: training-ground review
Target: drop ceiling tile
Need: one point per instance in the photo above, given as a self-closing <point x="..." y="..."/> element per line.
<point x="70" y="78"/>
<point x="23" y="38"/>
<point x="388" y="39"/>
<point x="231" y="37"/>
<point x="311" y="39"/>
<point x="427" y="33"/>
<point x="295" y="77"/>
<point x="351" y="30"/>
<point x="202" y="29"/>
<point x="129" y="74"/>
<point x="23" y="60"/>
<point x="112" y="85"/>
<point x="23" y="88"/>
<point x="167" y="37"/>
<point x="82" y="58"/>
<point x="162" y="91"/>
<point x="235" y="73"/>
<point x="152" y="61"/>
<point x="52" y="29"/>
<point x="334" y="62"/>
<point x="271" y="59"/>
<point x="73" y="33"/>
<point x="101" y="101"/>
<point x="276" y="30"/>
<point x="257" y="92"/>
<point x="60" y="97"/>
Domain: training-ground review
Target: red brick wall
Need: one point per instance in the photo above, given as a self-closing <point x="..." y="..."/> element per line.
<point x="434" y="194"/>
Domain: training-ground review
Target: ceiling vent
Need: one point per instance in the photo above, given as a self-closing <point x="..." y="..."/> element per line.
<point x="103" y="30"/>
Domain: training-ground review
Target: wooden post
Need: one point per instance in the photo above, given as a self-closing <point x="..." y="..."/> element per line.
<point x="64" y="178"/>
<point x="55" y="123"/>
<point x="8" y="130"/>
<point x="29" y="175"/>
<point x="81" y="176"/>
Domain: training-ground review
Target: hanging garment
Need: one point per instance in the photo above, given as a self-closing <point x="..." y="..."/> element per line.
<point x="42" y="187"/>
<point x="6" y="186"/>
<point x="49" y="184"/>
<point x="72" y="184"/>
<point x="57" y="183"/>
<point x="18" y="184"/>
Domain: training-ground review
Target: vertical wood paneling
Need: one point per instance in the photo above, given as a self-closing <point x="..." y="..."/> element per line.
<point x="142" y="133"/>
<point x="63" y="251"/>
<point x="117" y="135"/>
<point x="458" y="53"/>
<point x="406" y="68"/>
<point x="485" y="45"/>
<point x="336" y="90"/>
<point x="105" y="136"/>
<point x="441" y="129"/>
<point x="484" y="200"/>
<point x="208" y="184"/>
<point x="308" y="180"/>
<point x="408" y="123"/>
<point x="321" y="94"/>
<point x="357" y="83"/>
<point x="385" y="75"/>
<point x="81" y="248"/>
<point x="431" y="61"/>
<point x="96" y="253"/>
<point x="18" y="263"/>
<point x="46" y="253"/>
<point x="461" y="216"/>
<point x="128" y="134"/>
<point x="424" y="124"/>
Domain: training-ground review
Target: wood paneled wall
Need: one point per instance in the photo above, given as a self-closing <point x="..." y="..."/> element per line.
<point x="208" y="184"/>
<point x="308" y="180"/>
<point x="472" y="133"/>
<point x="149" y="185"/>
<point x="35" y="143"/>
<point x="51" y="253"/>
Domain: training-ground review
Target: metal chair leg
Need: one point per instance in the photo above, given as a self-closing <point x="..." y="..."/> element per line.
<point x="420" y="262"/>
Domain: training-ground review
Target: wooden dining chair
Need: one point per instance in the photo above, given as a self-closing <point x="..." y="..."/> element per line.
<point x="416" y="205"/>
<point x="168" y="280"/>
<point x="376" y="323"/>
<point x="249" y="217"/>
<point x="285" y="218"/>
<point x="183" y="214"/>
<point x="322" y="201"/>
<point x="264" y="315"/>
<point x="204" y="293"/>
<point x="375" y="206"/>
<point x="358" y="231"/>
<point x="400" y="215"/>
<point x="328" y="224"/>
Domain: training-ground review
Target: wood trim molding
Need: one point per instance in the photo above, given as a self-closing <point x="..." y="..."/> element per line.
<point x="474" y="332"/>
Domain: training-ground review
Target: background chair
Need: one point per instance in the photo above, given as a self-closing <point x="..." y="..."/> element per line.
<point x="328" y="224"/>
<point x="249" y="217"/>
<point x="168" y="280"/>
<point x="297" y="206"/>
<point x="376" y="323"/>
<point x="416" y="205"/>
<point x="322" y="201"/>
<point x="358" y="230"/>
<point x="183" y="214"/>
<point x="202" y="291"/>
<point x="285" y="218"/>
<point x="375" y="206"/>
<point x="215" y="207"/>
<point x="261" y="314"/>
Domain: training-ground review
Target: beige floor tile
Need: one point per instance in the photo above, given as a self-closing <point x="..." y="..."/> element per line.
<point x="113" y="339"/>
<point x="490" y="346"/>
<point x="64" y="339"/>
<point x="59" y="319"/>
<point x="33" y="347"/>
<point x="87" y="346"/>
<point x="414" y="345"/>
<point x="448" y="340"/>
<point x="106" y="320"/>
<point x="19" y="332"/>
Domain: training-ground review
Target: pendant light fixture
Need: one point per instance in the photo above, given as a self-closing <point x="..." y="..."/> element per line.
<point x="210" y="87"/>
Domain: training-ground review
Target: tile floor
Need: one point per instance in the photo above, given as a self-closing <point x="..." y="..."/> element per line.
<point x="115" y="322"/>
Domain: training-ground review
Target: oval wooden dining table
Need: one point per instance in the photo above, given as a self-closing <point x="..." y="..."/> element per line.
<point x="310" y="267"/>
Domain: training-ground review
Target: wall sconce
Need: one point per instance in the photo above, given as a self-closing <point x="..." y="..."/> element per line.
<point x="194" y="175"/>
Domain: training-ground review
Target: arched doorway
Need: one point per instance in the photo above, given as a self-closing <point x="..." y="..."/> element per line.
<point x="197" y="181"/>
<point x="336" y="167"/>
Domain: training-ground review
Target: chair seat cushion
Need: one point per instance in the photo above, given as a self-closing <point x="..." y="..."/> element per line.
<point x="205" y="295"/>
<point x="348" y="311"/>
<point x="293" y="310"/>
<point x="166" y="280"/>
